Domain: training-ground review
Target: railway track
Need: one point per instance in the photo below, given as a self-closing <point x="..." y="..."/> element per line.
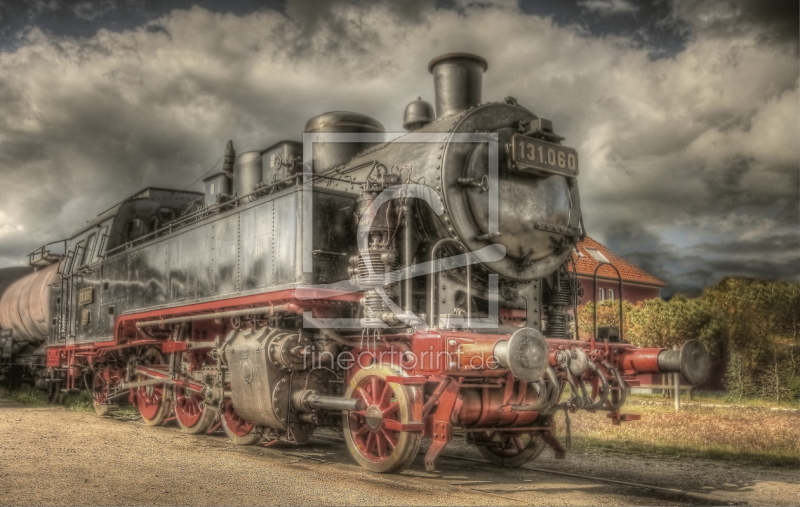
<point x="677" y="494"/>
<point x="649" y="489"/>
<point x="164" y="455"/>
<point x="661" y="492"/>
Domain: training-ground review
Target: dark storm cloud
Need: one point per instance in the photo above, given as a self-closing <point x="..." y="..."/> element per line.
<point x="773" y="21"/>
<point x="688" y="163"/>
<point x="609" y="7"/>
<point x="688" y="268"/>
<point x="765" y="247"/>
<point x="83" y="18"/>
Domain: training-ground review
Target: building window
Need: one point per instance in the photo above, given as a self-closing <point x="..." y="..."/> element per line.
<point x="602" y="295"/>
<point x="598" y="256"/>
<point x="611" y="294"/>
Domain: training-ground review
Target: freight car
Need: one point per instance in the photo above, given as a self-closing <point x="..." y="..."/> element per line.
<point x="394" y="287"/>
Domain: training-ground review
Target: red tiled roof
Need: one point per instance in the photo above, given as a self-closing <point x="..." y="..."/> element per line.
<point x="586" y="265"/>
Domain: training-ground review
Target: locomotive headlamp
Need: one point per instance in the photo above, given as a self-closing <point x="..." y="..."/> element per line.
<point x="525" y="354"/>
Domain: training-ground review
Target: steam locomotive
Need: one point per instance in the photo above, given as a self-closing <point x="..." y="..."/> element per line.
<point x="393" y="287"/>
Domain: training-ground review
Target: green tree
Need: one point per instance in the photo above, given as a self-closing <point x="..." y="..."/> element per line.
<point x="607" y="316"/>
<point x="760" y="325"/>
<point x="659" y="323"/>
<point x="738" y="380"/>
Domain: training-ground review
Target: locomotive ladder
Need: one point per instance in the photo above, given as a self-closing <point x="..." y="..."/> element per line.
<point x="64" y="310"/>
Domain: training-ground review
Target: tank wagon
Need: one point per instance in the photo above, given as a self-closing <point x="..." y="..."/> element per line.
<point x="394" y="287"/>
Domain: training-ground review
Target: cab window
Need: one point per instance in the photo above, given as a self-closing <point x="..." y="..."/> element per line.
<point x="76" y="257"/>
<point x="87" y="253"/>
<point x="101" y="244"/>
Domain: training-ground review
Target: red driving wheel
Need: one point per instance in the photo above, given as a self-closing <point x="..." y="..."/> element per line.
<point x="372" y="435"/>
<point x="238" y="430"/>
<point x="102" y="383"/>
<point x="509" y="449"/>
<point x="151" y="400"/>
<point x="191" y="411"/>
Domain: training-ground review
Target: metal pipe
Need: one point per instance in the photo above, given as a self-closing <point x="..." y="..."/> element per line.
<point x="573" y="387"/>
<point x="604" y="381"/>
<point x="408" y="283"/>
<point x="587" y="400"/>
<point x="541" y="402"/>
<point x="555" y="392"/>
<point x="221" y="315"/>
<point x="623" y="388"/>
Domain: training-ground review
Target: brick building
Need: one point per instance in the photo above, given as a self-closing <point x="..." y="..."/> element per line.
<point x="637" y="284"/>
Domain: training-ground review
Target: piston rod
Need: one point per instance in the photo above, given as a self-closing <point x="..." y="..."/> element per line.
<point x="334" y="403"/>
<point x="308" y="400"/>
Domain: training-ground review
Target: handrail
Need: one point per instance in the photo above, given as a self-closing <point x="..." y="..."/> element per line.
<point x="594" y="297"/>
<point x="48" y="244"/>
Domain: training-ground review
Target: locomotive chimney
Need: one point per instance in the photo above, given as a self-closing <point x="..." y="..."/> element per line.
<point x="230" y="158"/>
<point x="457" y="81"/>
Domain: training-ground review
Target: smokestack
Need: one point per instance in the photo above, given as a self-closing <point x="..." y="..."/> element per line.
<point x="230" y="157"/>
<point x="457" y="81"/>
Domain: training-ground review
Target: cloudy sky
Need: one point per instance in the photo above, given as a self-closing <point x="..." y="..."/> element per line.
<point x="685" y="113"/>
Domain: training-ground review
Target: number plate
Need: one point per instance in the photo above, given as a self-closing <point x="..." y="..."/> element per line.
<point x="86" y="296"/>
<point x="86" y="317"/>
<point x="535" y="155"/>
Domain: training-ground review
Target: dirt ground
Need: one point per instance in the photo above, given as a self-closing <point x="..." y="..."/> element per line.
<point x="52" y="456"/>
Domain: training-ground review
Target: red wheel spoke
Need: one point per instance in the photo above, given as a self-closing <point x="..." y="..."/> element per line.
<point x="390" y="410"/>
<point x="373" y="445"/>
<point x="376" y="390"/>
<point x="390" y="438"/>
<point x="380" y="442"/>
<point x="518" y="442"/>
<point x="386" y="395"/>
<point x="361" y="393"/>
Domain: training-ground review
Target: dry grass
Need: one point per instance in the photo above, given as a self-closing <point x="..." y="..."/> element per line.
<point x="720" y="398"/>
<point x="760" y="436"/>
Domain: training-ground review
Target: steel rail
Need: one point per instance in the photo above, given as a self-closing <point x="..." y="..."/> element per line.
<point x="674" y="492"/>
